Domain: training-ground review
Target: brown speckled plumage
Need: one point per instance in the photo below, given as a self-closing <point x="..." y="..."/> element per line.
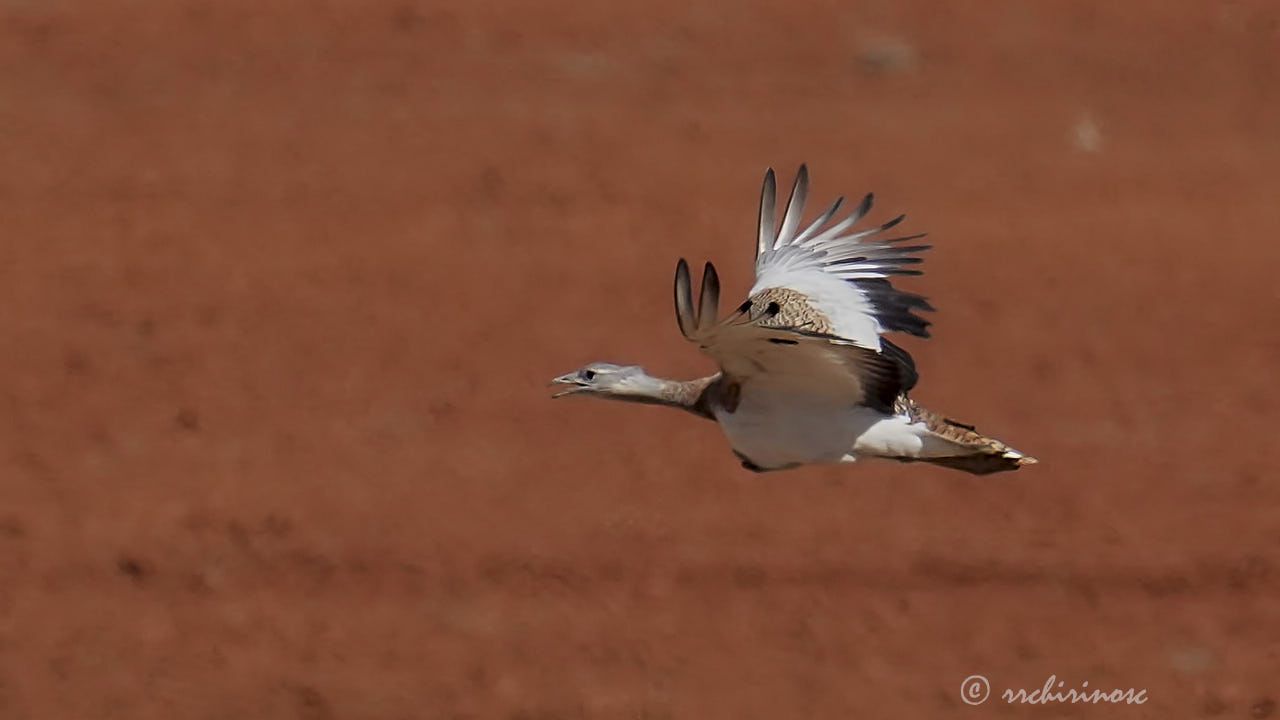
<point x="990" y="455"/>
<point x="794" y="310"/>
<point x="944" y="427"/>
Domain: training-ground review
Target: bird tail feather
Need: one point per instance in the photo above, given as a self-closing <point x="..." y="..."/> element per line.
<point x="975" y="453"/>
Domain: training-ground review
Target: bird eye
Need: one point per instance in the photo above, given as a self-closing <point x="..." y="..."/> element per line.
<point x="588" y="375"/>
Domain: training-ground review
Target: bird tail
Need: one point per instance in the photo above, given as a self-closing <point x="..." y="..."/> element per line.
<point x="974" y="452"/>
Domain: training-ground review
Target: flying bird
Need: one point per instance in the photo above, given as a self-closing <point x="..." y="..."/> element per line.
<point x="806" y="375"/>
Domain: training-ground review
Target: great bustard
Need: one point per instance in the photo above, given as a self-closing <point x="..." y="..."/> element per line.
<point x="805" y="376"/>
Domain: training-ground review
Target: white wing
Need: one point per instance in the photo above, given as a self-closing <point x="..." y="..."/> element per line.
<point x="843" y="275"/>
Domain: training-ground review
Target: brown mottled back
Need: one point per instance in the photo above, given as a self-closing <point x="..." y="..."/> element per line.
<point x="794" y="310"/>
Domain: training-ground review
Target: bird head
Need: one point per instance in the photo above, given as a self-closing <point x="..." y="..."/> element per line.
<point x="604" y="379"/>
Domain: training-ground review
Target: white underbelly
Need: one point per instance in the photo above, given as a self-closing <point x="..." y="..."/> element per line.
<point x="788" y="431"/>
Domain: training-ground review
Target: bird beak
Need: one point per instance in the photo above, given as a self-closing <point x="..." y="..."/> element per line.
<point x="570" y="379"/>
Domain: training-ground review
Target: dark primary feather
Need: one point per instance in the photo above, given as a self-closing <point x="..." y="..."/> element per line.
<point x="891" y="224"/>
<point x="884" y="381"/>
<point x="895" y="308"/>
<point x="709" y="299"/>
<point x="684" y="300"/>
<point x="907" y="375"/>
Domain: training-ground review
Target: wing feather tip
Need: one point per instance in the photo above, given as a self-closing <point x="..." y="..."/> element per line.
<point x="767" y="222"/>
<point x="685" y="318"/>
<point x="786" y="234"/>
<point x="709" y="298"/>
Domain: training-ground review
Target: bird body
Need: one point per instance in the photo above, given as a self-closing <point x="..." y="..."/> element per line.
<point x="774" y="430"/>
<point x="806" y="376"/>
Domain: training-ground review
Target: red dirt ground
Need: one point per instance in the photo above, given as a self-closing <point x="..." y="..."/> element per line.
<point x="280" y="291"/>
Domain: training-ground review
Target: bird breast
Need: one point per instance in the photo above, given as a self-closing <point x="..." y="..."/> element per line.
<point x="776" y="430"/>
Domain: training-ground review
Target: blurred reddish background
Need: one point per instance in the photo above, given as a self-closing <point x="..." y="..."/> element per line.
<point x="281" y="287"/>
